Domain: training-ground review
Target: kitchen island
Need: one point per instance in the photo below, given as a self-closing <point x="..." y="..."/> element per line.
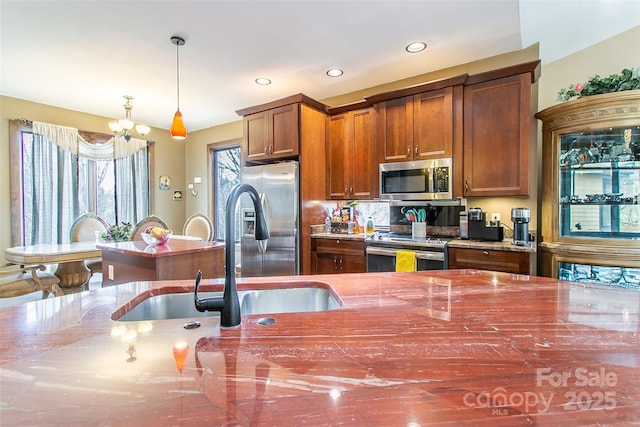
<point x="177" y="259"/>
<point x="404" y="349"/>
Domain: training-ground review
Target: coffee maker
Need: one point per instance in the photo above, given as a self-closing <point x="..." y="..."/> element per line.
<point x="520" y="218"/>
<point x="478" y="229"/>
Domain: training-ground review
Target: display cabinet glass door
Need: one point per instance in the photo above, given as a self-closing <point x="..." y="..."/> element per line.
<point x="604" y="275"/>
<point x="600" y="184"/>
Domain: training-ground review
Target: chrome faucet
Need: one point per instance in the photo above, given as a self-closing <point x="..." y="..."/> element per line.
<point x="229" y="305"/>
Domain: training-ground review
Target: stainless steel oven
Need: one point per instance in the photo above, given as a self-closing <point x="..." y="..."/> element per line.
<point x="384" y="259"/>
<point x="442" y="218"/>
<point x="382" y="250"/>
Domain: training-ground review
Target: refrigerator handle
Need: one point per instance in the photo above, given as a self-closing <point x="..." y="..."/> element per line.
<point x="262" y="244"/>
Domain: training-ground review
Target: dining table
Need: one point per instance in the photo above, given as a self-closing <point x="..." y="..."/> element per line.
<point x="68" y="258"/>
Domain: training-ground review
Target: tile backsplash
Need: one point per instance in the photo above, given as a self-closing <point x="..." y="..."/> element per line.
<point x="378" y="211"/>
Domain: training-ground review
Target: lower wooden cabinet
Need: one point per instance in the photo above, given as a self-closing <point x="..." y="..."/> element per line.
<point x="489" y="259"/>
<point x="338" y="256"/>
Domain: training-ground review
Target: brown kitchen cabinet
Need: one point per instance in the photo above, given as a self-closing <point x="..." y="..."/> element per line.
<point x="417" y="127"/>
<point x="490" y="259"/>
<point x="271" y="134"/>
<point x="352" y="166"/>
<point x="498" y="131"/>
<point x="275" y="130"/>
<point x="301" y="122"/>
<point x="338" y="256"/>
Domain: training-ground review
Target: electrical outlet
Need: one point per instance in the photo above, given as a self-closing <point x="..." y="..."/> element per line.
<point x="110" y="272"/>
<point x="495" y="217"/>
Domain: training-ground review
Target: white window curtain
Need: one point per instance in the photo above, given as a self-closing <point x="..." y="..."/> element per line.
<point x="54" y="183"/>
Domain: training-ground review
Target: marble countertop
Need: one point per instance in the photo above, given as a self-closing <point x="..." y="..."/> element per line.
<point x="172" y="247"/>
<point x="425" y="348"/>
<point x="354" y="236"/>
<point x="505" y="245"/>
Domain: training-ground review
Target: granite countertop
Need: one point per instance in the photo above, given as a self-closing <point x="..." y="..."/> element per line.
<point x="172" y="247"/>
<point x="505" y="245"/>
<point x="425" y="348"/>
<point x="354" y="236"/>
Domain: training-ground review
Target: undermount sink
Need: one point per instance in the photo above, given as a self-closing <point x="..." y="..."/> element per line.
<point x="255" y="301"/>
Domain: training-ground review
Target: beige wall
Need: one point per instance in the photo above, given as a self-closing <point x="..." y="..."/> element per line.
<point x="182" y="161"/>
<point x="168" y="153"/>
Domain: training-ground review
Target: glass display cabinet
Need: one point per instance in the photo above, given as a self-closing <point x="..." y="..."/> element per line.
<point x="590" y="213"/>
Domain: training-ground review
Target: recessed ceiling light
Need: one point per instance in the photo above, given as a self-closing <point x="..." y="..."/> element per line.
<point x="335" y="72"/>
<point x="416" y="47"/>
<point x="263" y="81"/>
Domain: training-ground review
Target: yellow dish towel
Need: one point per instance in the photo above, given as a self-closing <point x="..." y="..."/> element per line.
<point x="405" y="261"/>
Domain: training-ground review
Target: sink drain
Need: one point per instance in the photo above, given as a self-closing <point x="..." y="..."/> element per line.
<point x="266" y="321"/>
<point x="191" y="325"/>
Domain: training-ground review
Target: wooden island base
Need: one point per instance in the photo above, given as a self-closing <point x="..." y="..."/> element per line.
<point x="133" y="261"/>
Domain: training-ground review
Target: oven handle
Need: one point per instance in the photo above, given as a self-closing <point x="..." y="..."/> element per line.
<point x="432" y="256"/>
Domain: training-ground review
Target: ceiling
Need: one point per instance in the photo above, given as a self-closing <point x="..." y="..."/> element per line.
<point x="85" y="55"/>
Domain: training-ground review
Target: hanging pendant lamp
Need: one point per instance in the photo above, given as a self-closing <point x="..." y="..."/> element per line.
<point x="178" y="131"/>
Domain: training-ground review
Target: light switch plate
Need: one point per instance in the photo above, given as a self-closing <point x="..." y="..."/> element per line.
<point x="197" y="180"/>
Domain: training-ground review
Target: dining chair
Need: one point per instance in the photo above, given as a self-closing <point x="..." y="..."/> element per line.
<point x="86" y="228"/>
<point x="150" y="221"/>
<point x="199" y="225"/>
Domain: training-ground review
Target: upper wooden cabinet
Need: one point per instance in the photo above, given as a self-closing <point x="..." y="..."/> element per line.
<point x="419" y="122"/>
<point x="271" y="134"/>
<point x="352" y="166"/>
<point x="498" y="131"/>
<point x="416" y="127"/>
<point x="273" y="131"/>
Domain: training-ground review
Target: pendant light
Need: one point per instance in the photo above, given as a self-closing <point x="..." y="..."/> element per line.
<point x="178" y="131"/>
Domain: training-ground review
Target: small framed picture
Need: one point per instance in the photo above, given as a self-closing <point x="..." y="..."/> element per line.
<point x="177" y="194"/>
<point x="165" y="182"/>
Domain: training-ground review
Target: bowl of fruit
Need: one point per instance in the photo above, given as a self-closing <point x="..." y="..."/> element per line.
<point x="155" y="236"/>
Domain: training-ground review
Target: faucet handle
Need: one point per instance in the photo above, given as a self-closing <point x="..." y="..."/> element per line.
<point x="206" y="304"/>
<point x="198" y="279"/>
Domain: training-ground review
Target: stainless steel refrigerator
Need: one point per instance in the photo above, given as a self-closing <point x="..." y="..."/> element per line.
<point x="278" y="187"/>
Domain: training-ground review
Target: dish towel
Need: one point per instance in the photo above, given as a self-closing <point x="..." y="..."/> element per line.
<point x="405" y="261"/>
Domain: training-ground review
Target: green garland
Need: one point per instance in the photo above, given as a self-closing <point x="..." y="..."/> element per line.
<point x="628" y="80"/>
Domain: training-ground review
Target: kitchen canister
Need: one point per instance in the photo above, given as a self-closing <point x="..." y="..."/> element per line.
<point x="418" y="230"/>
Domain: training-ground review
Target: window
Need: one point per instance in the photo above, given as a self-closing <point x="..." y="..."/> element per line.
<point x="226" y="175"/>
<point x="51" y="185"/>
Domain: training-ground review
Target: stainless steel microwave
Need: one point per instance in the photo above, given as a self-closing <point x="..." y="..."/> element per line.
<point x="419" y="180"/>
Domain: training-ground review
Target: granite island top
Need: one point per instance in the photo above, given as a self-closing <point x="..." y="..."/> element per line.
<point x="172" y="247"/>
<point x="404" y="349"/>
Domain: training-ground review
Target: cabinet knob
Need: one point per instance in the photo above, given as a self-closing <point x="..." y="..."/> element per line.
<point x="351" y="189"/>
<point x="485" y="253"/>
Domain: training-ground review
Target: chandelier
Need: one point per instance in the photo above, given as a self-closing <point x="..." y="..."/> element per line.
<point x="125" y="127"/>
